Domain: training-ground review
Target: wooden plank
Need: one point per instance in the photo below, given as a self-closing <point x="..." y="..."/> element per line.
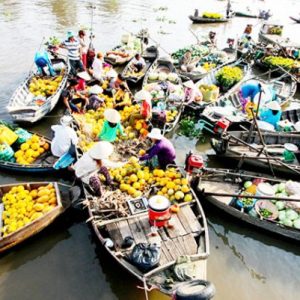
<point x="163" y="258"/>
<point x="177" y="230"/>
<point x="166" y="252"/>
<point x="171" y="247"/>
<point x="161" y="231"/>
<point x="137" y="231"/>
<point x="144" y="221"/>
<point x="190" y="216"/>
<point x="190" y="244"/>
<point x="182" y="243"/>
<point x="179" y="246"/>
<point x="184" y="222"/>
<point x="115" y="234"/>
<point x="124" y="228"/>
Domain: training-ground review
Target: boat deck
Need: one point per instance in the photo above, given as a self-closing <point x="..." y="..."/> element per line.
<point x="174" y="242"/>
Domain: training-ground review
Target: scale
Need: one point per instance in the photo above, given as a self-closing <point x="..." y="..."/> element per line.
<point x="138" y="205"/>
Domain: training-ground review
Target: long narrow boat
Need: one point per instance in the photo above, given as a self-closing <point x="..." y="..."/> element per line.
<point x="43" y="164"/>
<point x="118" y="56"/>
<point x="230" y="105"/>
<point x="247" y="14"/>
<point x="245" y="147"/>
<point x="35" y="225"/>
<point x="24" y="106"/>
<point x="210" y="79"/>
<point x="132" y="77"/>
<point x="201" y="20"/>
<point x="159" y="75"/>
<point x="188" y="238"/>
<point x="216" y="184"/>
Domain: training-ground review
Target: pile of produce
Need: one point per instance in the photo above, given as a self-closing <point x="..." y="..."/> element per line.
<point x="228" y="76"/>
<point x="210" y="92"/>
<point x="22" y="205"/>
<point x="188" y="127"/>
<point x="275" y="30"/>
<point x="210" y="15"/>
<point x="197" y="51"/>
<point x="132" y="73"/>
<point x="171" y="115"/>
<point x="172" y="77"/>
<point x="208" y="66"/>
<point x="137" y="180"/>
<point x="279" y="61"/>
<point x="53" y="41"/>
<point x="31" y="150"/>
<point x="289" y="211"/>
<point x="44" y="87"/>
<point x="6" y="153"/>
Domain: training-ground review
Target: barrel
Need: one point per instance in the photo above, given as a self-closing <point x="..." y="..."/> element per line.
<point x="159" y="210"/>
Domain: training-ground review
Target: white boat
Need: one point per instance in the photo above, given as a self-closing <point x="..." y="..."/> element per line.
<point x="24" y="106"/>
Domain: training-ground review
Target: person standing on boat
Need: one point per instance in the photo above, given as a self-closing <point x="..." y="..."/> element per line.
<point x="163" y="149"/>
<point x="71" y="98"/>
<point x="93" y="162"/>
<point x="192" y="93"/>
<point x="138" y="63"/>
<point x="272" y="113"/>
<point x="97" y="68"/>
<point x="83" y="47"/>
<point x="42" y="60"/>
<point x="228" y="9"/>
<point x="111" y="126"/>
<point x="196" y="13"/>
<point x="64" y="137"/>
<point x="73" y="47"/>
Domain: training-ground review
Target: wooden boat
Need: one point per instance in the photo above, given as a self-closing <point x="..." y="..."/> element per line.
<point x="188" y="238"/>
<point x="201" y="20"/>
<point x="118" y="56"/>
<point x="43" y="164"/>
<point x="164" y="67"/>
<point x="297" y="20"/>
<point x="25" y="107"/>
<point x="214" y="184"/>
<point x="210" y="79"/>
<point x="132" y="77"/>
<point x="246" y="148"/>
<point x="247" y="15"/>
<point x="230" y="106"/>
<point x="34" y="227"/>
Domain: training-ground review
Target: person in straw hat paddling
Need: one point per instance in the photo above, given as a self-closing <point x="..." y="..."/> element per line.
<point x="111" y="126"/>
<point x="163" y="149"/>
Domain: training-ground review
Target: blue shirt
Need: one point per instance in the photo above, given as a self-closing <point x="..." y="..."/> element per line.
<point x="268" y="116"/>
<point x="250" y="90"/>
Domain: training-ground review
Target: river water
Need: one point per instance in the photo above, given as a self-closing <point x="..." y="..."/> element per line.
<point x="65" y="261"/>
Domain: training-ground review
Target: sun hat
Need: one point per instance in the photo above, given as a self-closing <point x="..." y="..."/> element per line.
<point x="142" y="95"/>
<point x="70" y="34"/>
<point x="95" y="89"/>
<point x="274" y="105"/>
<point x="269" y="46"/>
<point x="112" y="115"/>
<point x="84" y="75"/>
<point x="155" y="133"/>
<point x="189" y="84"/>
<point x="112" y="73"/>
<point x="65" y="120"/>
<point x="101" y="150"/>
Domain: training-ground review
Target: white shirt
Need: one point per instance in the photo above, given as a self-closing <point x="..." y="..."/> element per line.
<point x="97" y="68"/>
<point x="83" y="45"/>
<point x="141" y="61"/>
<point x="86" y="167"/>
<point x="63" y="136"/>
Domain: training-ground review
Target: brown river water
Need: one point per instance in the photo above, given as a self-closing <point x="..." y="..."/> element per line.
<point x="65" y="261"/>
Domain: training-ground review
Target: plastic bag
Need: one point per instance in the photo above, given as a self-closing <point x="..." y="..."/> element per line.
<point x="23" y="135"/>
<point x="145" y="256"/>
<point x="6" y="153"/>
<point x="292" y="188"/>
<point x="7" y="136"/>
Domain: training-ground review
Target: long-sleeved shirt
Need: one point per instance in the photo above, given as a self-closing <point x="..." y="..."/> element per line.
<point x="269" y="117"/>
<point x="108" y="133"/>
<point x="164" y="150"/>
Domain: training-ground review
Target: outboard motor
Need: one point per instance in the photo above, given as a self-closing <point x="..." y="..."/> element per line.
<point x="193" y="161"/>
<point x="221" y="126"/>
<point x="195" y="289"/>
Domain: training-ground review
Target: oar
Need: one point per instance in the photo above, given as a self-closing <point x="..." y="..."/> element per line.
<point x="250" y="196"/>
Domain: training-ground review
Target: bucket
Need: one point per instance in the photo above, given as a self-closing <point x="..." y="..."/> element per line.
<point x="159" y="211"/>
<point x="265" y="189"/>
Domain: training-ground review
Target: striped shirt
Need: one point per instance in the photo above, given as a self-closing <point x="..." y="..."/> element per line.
<point x="73" y="49"/>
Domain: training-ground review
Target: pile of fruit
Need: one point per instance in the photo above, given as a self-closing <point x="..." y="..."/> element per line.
<point x="44" y="87"/>
<point x="136" y="180"/>
<point x="210" y="15"/>
<point x="210" y="92"/>
<point x="228" y="76"/>
<point x="22" y="205"/>
<point x="171" y="115"/>
<point x="31" y="150"/>
<point x="132" y="73"/>
<point x="208" y="66"/>
<point x="279" y="61"/>
<point x="275" y="30"/>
